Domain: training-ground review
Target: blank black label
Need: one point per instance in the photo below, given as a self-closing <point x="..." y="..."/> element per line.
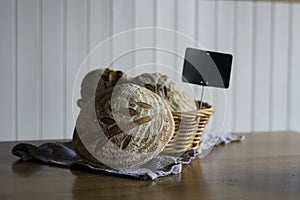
<point x="207" y="68"/>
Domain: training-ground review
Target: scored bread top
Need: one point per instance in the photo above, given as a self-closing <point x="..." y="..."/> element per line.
<point x="99" y="80"/>
<point x="125" y="126"/>
<point x="178" y="99"/>
<point x="110" y="78"/>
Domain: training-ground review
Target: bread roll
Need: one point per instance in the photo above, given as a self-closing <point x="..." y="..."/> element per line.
<point x="178" y="99"/>
<point x="126" y="125"/>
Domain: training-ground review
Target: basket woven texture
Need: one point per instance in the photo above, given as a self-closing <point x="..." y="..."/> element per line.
<point x="189" y="128"/>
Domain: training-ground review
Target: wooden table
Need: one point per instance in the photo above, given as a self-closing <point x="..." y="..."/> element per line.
<point x="263" y="166"/>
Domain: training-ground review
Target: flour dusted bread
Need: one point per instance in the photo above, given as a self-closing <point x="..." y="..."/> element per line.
<point x="125" y="126"/>
<point x="178" y="99"/>
<point x="99" y="80"/>
<point x="109" y="78"/>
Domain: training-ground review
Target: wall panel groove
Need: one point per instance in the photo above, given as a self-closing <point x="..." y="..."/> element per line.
<point x="272" y="27"/>
<point x="52" y="69"/>
<point x="76" y="52"/>
<point x="165" y="19"/>
<point x="243" y="66"/>
<point x="145" y="11"/>
<point x="101" y="16"/>
<point x="15" y="69"/>
<point x="226" y="30"/>
<point x="186" y="27"/>
<point x="155" y="39"/>
<point x="88" y="29"/>
<point x="253" y="72"/>
<point x="40" y="69"/>
<point x="234" y="71"/>
<point x="6" y="73"/>
<point x="123" y="21"/>
<point x="175" y="27"/>
<point x="261" y="66"/>
<point x="295" y="70"/>
<point x="207" y="39"/>
<point x="280" y="68"/>
<point x="64" y="67"/>
<point x="218" y="94"/>
<point x="29" y="70"/>
<point x="289" y="64"/>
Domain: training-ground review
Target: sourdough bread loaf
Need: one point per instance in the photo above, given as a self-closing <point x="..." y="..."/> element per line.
<point x="109" y="78"/>
<point x="99" y="80"/>
<point x="178" y="99"/>
<point x="89" y="86"/>
<point x="125" y="126"/>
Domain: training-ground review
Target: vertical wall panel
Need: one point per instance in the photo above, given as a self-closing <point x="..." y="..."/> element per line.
<point x="243" y="67"/>
<point x="185" y="25"/>
<point x="186" y="17"/>
<point x="261" y="66"/>
<point x="279" y="67"/>
<point x="43" y="43"/>
<point x="28" y="70"/>
<point x="123" y="20"/>
<point x="7" y="90"/>
<point x="295" y="70"/>
<point x="166" y="20"/>
<point x="144" y="17"/>
<point x="87" y="31"/>
<point x="76" y="52"/>
<point x="52" y="68"/>
<point x="225" y="43"/>
<point x="165" y="14"/>
<point x="100" y="30"/>
<point x="206" y="22"/>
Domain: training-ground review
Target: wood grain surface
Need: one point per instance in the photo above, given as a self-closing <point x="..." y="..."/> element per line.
<point x="263" y="166"/>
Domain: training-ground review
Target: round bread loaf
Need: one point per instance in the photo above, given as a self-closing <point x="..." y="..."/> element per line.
<point x="109" y="78"/>
<point x="125" y="126"/>
<point x="99" y="80"/>
<point x="89" y="86"/>
<point x="178" y="99"/>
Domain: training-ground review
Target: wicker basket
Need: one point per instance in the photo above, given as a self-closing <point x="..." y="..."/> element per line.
<point x="189" y="127"/>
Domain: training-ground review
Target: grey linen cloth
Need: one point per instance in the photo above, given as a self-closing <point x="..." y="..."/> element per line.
<point x="63" y="155"/>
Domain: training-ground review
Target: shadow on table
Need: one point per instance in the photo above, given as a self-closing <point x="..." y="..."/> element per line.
<point x="25" y="168"/>
<point x="190" y="183"/>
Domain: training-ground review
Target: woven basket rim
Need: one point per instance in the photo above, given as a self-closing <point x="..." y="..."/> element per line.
<point x="196" y="121"/>
<point x="206" y="108"/>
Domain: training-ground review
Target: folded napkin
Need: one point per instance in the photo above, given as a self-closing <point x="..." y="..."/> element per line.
<point x="63" y="155"/>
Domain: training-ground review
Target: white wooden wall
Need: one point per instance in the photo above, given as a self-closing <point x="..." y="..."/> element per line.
<point x="43" y="42"/>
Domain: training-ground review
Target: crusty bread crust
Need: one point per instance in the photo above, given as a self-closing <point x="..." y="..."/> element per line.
<point x="125" y="126"/>
<point x="178" y="99"/>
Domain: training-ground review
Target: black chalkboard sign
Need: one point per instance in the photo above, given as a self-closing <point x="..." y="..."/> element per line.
<point x="207" y="68"/>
